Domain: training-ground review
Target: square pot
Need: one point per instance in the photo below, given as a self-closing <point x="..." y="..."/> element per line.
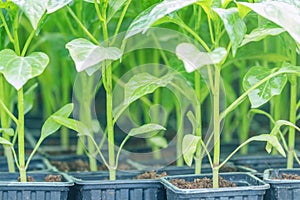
<point x="95" y="186"/>
<point x="282" y="188"/>
<point x="249" y="187"/>
<point x="11" y="189"/>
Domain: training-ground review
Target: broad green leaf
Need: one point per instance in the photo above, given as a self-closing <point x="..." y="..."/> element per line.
<point x="261" y="33"/>
<point x="5" y="142"/>
<point x="143" y="84"/>
<point x="87" y="55"/>
<point x="51" y="126"/>
<point x="146" y="130"/>
<point x="285" y="15"/>
<point x="158" y="141"/>
<point x="265" y="91"/>
<point x="276" y="129"/>
<point x="29" y="98"/>
<point x="54" y="5"/>
<point x="73" y="124"/>
<point x="189" y="147"/>
<point x="234" y="25"/>
<point x="33" y="9"/>
<point x="194" y="59"/>
<point x="7" y="131"/>
<point x="144" y="20"/>
<point x="18" y="70"/>
<point x="271" y="139"/>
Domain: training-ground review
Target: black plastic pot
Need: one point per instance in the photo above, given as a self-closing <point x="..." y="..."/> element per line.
<point x="279" y="188"/>
<point x="261" y="163"/>
<point x="249" y="187"/>
<point x="95" y="186"/>
<point x="37" y="163"/>
<point x="11" y="189"/>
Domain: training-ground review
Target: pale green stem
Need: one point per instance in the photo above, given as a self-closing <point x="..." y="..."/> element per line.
<point x="216" y="117"/>
<point x="198" y="161"/>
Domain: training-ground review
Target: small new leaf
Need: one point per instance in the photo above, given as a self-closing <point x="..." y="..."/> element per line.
<point x="7" y="131"/>
<point x="194" y="59"/>
<point x="158" y="141"/>
<point x="189" y="147"/>
<point x="51" y="126"/>
<point x="5" y="142"/>
<point x="146" y="130"/>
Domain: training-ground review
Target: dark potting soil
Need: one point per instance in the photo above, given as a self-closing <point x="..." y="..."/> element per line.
<point x="151" y="175"/>
<point x="200" y="183"/>
<point x="48" y="178"/>
<point x="81" y="166"/>
<point x="285" y="176"/>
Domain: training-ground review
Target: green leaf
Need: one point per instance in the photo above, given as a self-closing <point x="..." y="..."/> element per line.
<point x="283" y="14"/>
<point x="18" y="70"/>
<point x="33" y="9"/>
<point x="29" y="98"/>
<point x="51" y="126"/>
<point x="7" y="131"/>
<point x="265" y="91"/>
<point x="194" y="59"/>
<point x="5" y="142"/>
<point x="158" y="141"/>
<point x="276" y="129"/>
<point x="261" y="33"/>
<point x="234" y="25"/>
<point x="271" y="139"/>
<point x="146" y="130"/>
<point x="189" y="147"/>
<point x="54" y="5"/>
<point x="144" y="20"/>
<point x="88" y="55"/>
<point x="73" y="124"/>
<point x="143" y="84"/>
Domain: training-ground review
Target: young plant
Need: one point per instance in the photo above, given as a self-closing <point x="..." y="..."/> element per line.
<point x="18" y="68"/>
<point x="220" y="19"/>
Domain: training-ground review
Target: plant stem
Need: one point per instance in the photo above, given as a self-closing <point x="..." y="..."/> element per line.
<point x="5" y="123"/>
<point x="198" y="161"/>
<point x="216" y="117"/>
<point x="180" y="133"/>
<point x="21" y="136"/>
<point x="82" y="26"/>
<point x="293" y="114"/>
<point x="109" y="104"/>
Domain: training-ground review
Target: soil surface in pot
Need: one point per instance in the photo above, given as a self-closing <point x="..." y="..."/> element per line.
<point x="151" y="175"/>
<point x="79" y="165"/>
<point x="200" y="183"/>
<point x="285" y="176"/>
<point x="48" y="178"/>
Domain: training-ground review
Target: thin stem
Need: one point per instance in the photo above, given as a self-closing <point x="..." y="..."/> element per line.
<point x="82" y="26"/>
<point x="216" y="117"/>
<point x="28" y="41"/>
<point x="21" y="136"/>
<point x="121" y="20"/>
<point x="6" y="28"/>
<point x="198" y="162"/>
<point x="3" y="106"/>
